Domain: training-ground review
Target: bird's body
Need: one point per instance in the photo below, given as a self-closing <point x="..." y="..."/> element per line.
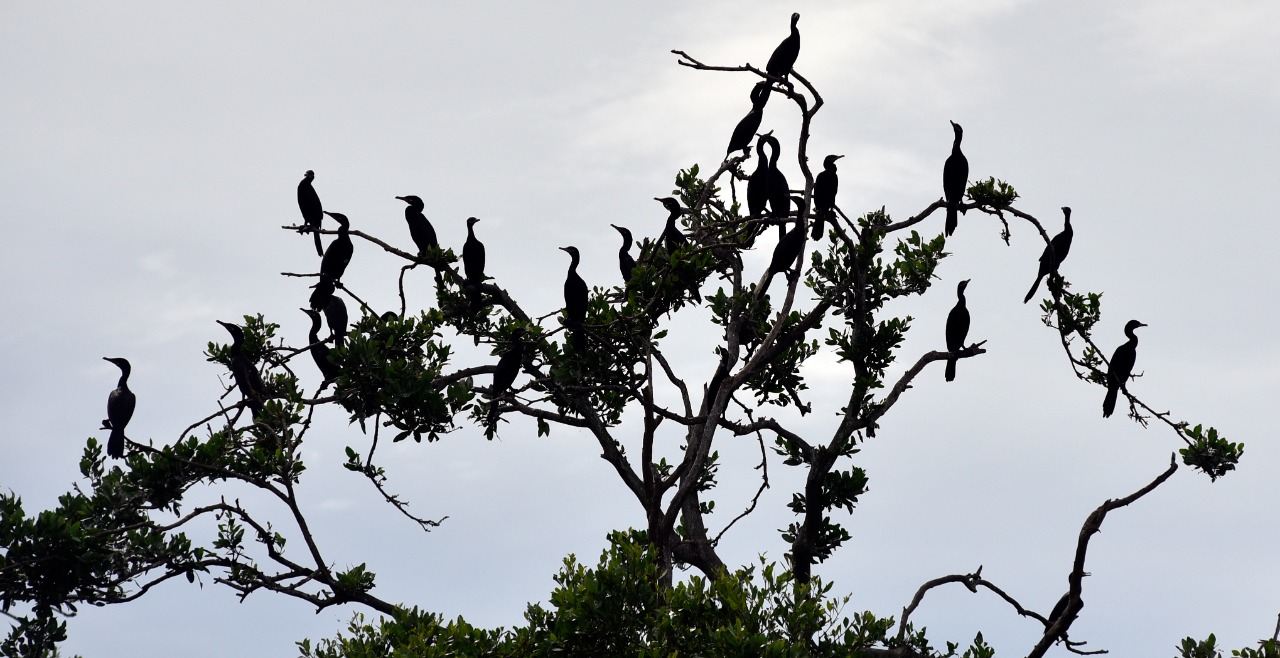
<point x="504" y="374"/>
<point x="322" y="293"/>
<point x="1121" y="367"/>
<point x="785" y="253"/>
<point x="749" y="124"/>
<point x="420" y="229"/>
<point x="957" y="328"/>
<point x="824" y="195"/>
<point x="320" y="351"/>
<point x="779" y="190"/>
<point x="575" y="301"/>
<point x="758" y="183"/>
<point x="955" y="173"/>
<point x="626" y="264"/>
<point x="338" y="254"/>
<point x="784" y="56"/>
<point x="335" y="314"/>
<point x="672" y="237"/>
<point x="312" y="210"/>
<point x="244" y="372"/>
<point x="473" y="262"/>
<point x="1054" y="253"/>
<point x="120" y="405"/>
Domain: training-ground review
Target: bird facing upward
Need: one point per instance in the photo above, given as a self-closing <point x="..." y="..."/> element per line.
<point x="784" y="56"/>
<point x="626" y="264"/>
<point x="1054" y="253"/>
<point x="120" y="405"/>
<point x="312" y="211"/>
<point x="957" y="328"/>
<point x="955" y="173"/>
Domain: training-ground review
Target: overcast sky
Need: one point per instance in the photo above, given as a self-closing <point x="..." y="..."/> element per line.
<point x="149" y="154"/>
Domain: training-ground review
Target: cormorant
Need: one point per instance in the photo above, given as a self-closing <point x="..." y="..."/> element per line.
<point x="672" y="237"/>
<point x="312" y="211"/>
<point x="575" y="301"/>
<point x="625" y="262"/>
<point x="1054" y="253"/>
<point x="335" y="314"/>
<point x="955" y="173"/>
<point x="786" y="252"/>
<point x="423" y="234"/>
<point x="473" y="262"/>
<point x="1121" y="367"/>
<point x="779" y="190"/>
<point x="758" y="183"/>
<point x="784" y="56"/>
<point x="322" y="295"/>
<point x="504" y="374"/>
<point x="747" y="127"/>
<point x="957" y="328"/>
<point x="320" y="351"/>
<point x="336" y="257"/>
<point x="120" y="404"/>
<point x="244" y="372"/>
<point x="824" y="195"/>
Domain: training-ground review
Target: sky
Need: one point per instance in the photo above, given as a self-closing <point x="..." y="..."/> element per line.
<point x="149" y="154"/>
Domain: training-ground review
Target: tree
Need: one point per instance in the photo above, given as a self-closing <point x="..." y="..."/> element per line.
<point x="401" y="372"/>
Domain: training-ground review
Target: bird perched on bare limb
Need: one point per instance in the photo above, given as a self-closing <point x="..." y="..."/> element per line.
<point x="120" y="405"/>
<point x="1121" y="367"/>
<point x="784" y="56"/>
<point x="824" y="195"/>
<point x="957" y="328"/>
<point x="312" y="211"/>
<point x="749" y="124"/>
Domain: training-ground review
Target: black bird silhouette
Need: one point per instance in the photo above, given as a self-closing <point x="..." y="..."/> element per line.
<point x="784" y="56"/>
<point x="312" y="211"/>
<point x="785" y="253"/>
<point x="338" y="254"/>
<point x="749" y="124"/>
<point x="955" y="173"/>
<point x="1058" y="609"/>
<point x="625" y="262"/>
<point x="120" y="404"/>
<point x="957" y="328"/>
<point x="335" y="314"/>
<point x="779" y="190"/>
<point x="504" y="374"/>
<point x="1054" y="253"/>
<point x="575" y="301"/>
<point x="758" y="182"/>
<point x="824" y="195"/>
<point x="244" y="373"/>
<point x="320" y="351"/>
<point x="672" y="237"/>
<point x="423" y="234"/>
<point x="1121" y="367"/>
<point x="322" y="293"/>
<point x="473" y="262"/>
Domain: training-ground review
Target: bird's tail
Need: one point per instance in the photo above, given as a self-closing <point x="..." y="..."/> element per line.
<point x="819" y="226"/>
<point x="1109" y="403"/>
<point x="1031" y="293"/>
<point x="577" y="337"/>
<point x="951" y="369"/>
<point x="319" y="247"/>
<point x="115" y="444"/>
<point x="952" y="219"/>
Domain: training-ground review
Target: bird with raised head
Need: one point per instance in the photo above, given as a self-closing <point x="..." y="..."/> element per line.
<point x="1121" y="367"/>
<point x="473" y="263"/>
<point x="957" y="328"/>
<point x="120" y="405"/>
<point x="955" y="173"/>
<point x="575" y="301"/>
<point x="420" y="230"/>
<point x="626" y="264"/>
<point x="784" y="56"/>
<point x="824" y="196"/>
<point x="312" y="210"/>
<point x="1054" y="253"/>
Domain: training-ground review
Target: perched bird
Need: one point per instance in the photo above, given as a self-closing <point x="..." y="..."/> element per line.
<point x="672" y="237"/>
<point x="322" y="293"/>
<point x="625" y="262"/>
<point x="244" y="372"/>
<point x="758" y="183"/>
<point x="575" y="301"/>
<point x="320" y="351"/>
<point x="423" y="234"/>
<point x="784" y="56"/>
<point x="779" y="190"/>
<point x="312" y="211"/>
<point x="120" y="404"/>
<point x="473" y="262"/>
<point x="1054" y="253"/>
<point x="504" y="374"/>
<point x="957" y="328"/>
<point x="338" y="254"/>
<point x="785" y="253"/>
<point x="955" y="173"/>
<point x="335" y="314"/>
<point x="749" y="124"/>
<point x="824" y="195"/>
<point x="1121" y="367"/>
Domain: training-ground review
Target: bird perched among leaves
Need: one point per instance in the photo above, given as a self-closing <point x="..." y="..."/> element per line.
<point x="1054" y="253"/>
<point x="784" y="56"/>
<point x="312" y="211"/>
<point x="672" y="237"/>
<point x="473" y="263"/>
<point x="955" y="173"/>
<point x="957" y="328"/>
<point x="335" y="314"/>
<point x="575" y="301"/>
<point x="244" y="372"/>
<point x="319" y="351"/>
<point x="120" y="404"/>
<point x="1121" y="367"/>
<point x="626" y="264"/>
<point x="504" y="374"/>
<point x="785" y="253"/>
<point x="824" y="195"/>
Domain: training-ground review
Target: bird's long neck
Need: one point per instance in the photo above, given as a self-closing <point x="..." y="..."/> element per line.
<point x="573" y="264"/>
<point x="1133" y="338"/>
<point x="124" y="377"/>
<point x="774" y="149"/>
<point x="315" y="328"/>
<point x="955" y="145"/>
